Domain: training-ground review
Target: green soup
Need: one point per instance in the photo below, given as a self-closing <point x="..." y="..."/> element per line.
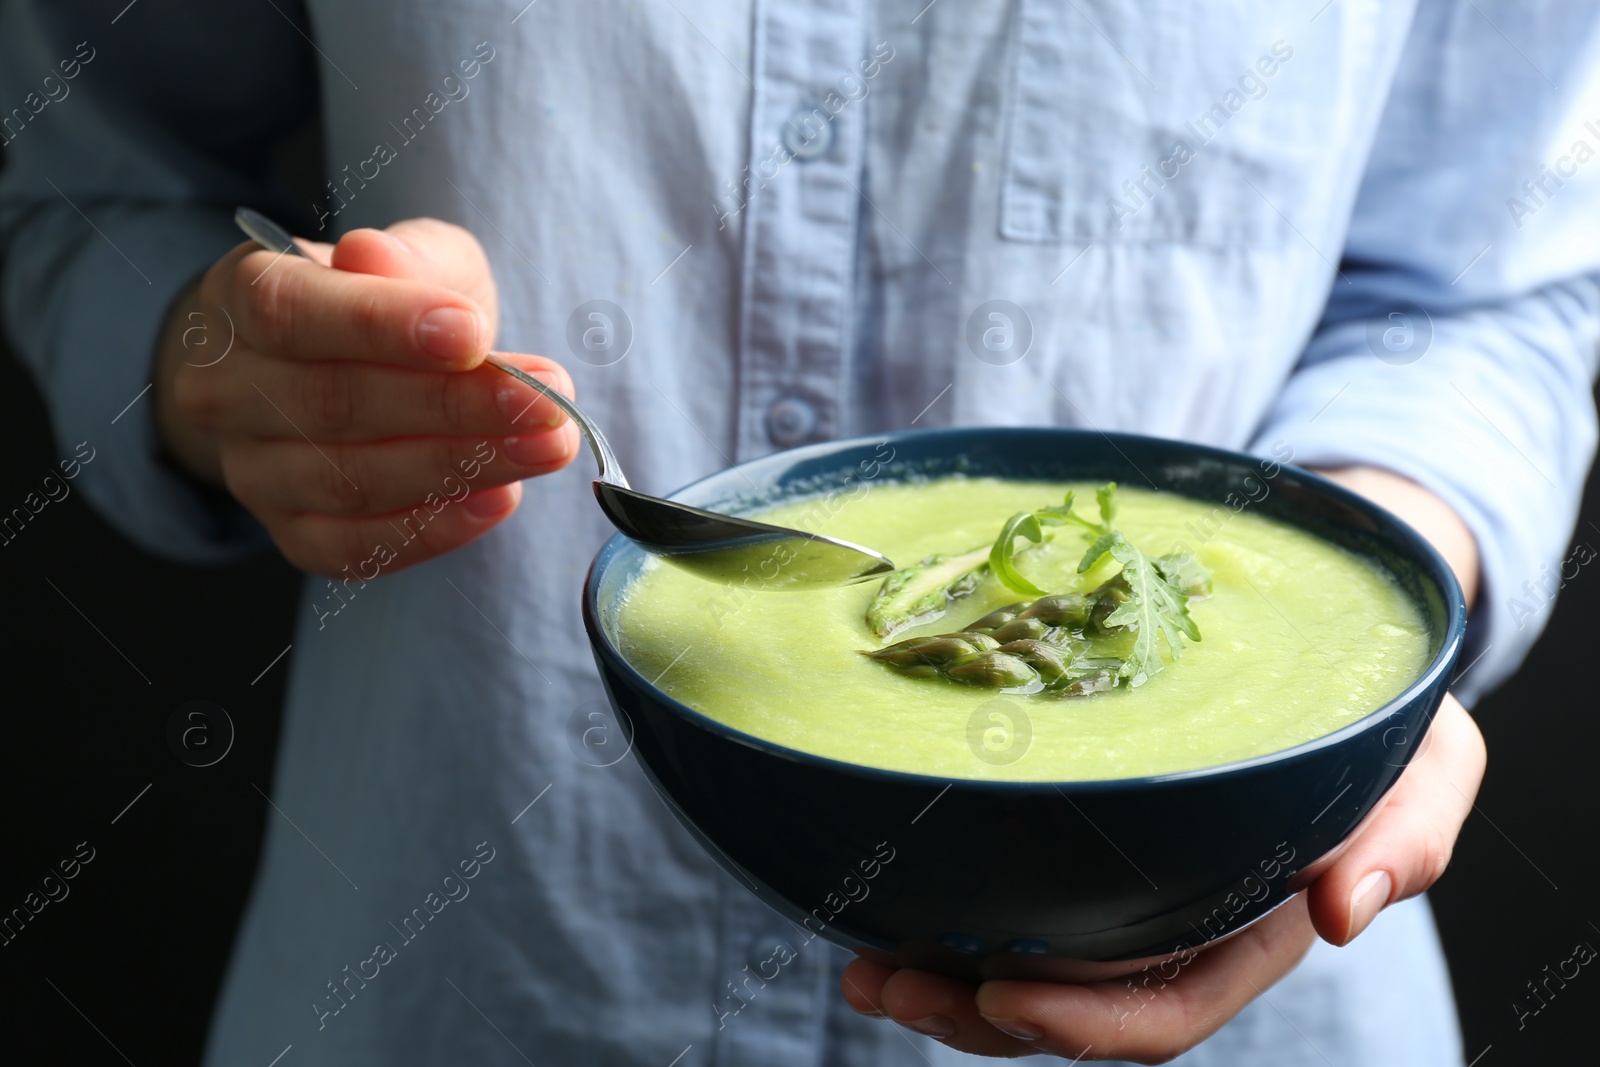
<point x="1300" y="638"/>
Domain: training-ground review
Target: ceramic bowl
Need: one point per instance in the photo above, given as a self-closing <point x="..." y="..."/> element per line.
<point x="976" y="877"/>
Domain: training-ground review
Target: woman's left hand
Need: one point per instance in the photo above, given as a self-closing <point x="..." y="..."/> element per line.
<point x="1399" y="851"/>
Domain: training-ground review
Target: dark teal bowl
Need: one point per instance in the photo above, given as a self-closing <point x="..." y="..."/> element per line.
<point x="972" y="877"/>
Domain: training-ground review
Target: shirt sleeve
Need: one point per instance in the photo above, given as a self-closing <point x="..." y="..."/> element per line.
<point x="1459" y="343"/>
<point x="127" y="147"/>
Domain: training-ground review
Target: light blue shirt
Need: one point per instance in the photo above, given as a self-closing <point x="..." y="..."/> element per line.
<point x="1365" y="230"/>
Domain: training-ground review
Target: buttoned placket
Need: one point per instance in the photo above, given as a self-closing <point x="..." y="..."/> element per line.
<point x="801" y="206"/>
<point x="800" y="209"/>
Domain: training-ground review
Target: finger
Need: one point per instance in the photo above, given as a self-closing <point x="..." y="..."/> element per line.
<point x="370" y="251"/>
<point x="316" y="251"/>
<point x="1153" y="1015"/>
<point x="290" y="307"/>
<point x="929" y="1004"/>
<point x="862" y="986"/>
<point x="423" y="250"/>
<point x="342" y="401"/>
<point x="369" y="547"/>
<point x="291" y="476"/>
<point x="946" y="1008"/>
<point x="1408" y="844"/>
<point x="525" y="406"/>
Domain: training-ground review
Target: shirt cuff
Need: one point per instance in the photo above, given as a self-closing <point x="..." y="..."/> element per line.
<point x="108" y="316"/>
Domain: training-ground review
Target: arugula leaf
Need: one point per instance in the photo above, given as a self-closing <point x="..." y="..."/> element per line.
<point x="1106" y="497"/>
<point x="1156" y="606"/>
<point x="1030" y="524"/>
<point x="1101" y="546"/>
<point x="1062" y="513"/>
<point x="1022" y="524"/>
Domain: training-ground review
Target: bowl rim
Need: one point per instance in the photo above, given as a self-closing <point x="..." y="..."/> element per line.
<point x="1423" y="552"/>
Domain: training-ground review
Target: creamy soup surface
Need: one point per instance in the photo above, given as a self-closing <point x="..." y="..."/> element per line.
<point x="1299" y="638"/>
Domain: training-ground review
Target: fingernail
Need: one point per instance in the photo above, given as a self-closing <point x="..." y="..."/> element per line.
<point x="1369" y="898"/>
<point x="539" y="449"/>
<point x="492" y="502"/>
<point x="933" y="1026"/>
<point x="448" y="333"/>
<point x="516" y="400"/>
<point x="1017" y="1028"/>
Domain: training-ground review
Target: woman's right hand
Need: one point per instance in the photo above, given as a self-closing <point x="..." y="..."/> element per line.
<point x="353" y="408"/>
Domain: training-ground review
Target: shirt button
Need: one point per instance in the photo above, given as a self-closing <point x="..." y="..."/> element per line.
<point x="808" y="134"/>
<point x="790" y="420"/>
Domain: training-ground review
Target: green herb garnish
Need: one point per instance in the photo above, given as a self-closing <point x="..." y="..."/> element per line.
<point x="1068" y="643"/>
<point x="1156" y="606"/>
<point x="1030" y="524"/>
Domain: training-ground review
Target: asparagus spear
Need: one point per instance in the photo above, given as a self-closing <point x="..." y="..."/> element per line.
<point x="921" y="593"/>
<point x="1045" y="644"/>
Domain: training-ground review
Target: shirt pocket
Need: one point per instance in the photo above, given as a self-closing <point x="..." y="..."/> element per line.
<point x="1167" y="121"/>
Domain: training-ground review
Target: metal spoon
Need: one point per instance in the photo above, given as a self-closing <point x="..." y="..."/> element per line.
<point x="715" y="546"/>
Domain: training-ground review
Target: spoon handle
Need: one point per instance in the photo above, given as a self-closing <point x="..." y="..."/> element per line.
<point x="275" y="238"/>
<point x="266" y="233"/>
<point x="610" y="470"/>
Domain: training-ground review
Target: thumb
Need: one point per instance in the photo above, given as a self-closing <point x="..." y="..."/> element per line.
<point x="1407" y="845"/>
